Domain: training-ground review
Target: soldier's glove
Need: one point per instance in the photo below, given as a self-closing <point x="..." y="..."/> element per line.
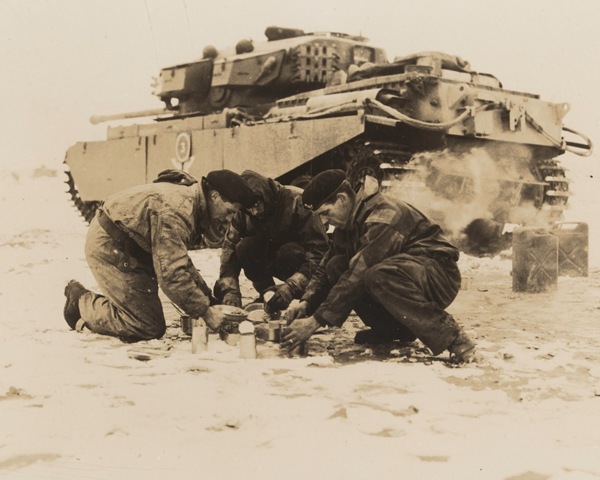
<point x="233" y="298"/>
<point x="227" y="291"/>
<point x="281" y="299"/>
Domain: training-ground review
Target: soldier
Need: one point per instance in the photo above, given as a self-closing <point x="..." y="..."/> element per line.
<point x="275" y="238"/>
<point x="139" y="241"/>
<point x="388" y="263"/>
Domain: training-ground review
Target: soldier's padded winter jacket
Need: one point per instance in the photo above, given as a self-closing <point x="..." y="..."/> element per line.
<point x="379" y="227"/>
<point x="165" y="220"/>
<point x="286" y="220"/>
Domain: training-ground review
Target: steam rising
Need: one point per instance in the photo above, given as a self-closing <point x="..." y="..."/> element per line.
<point x="456" y="189"/>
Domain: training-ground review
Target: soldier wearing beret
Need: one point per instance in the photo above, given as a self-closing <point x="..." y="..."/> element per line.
<point x="139" y="241"/>
<point x="388" y="262"/>
<point x="278" y="238"/>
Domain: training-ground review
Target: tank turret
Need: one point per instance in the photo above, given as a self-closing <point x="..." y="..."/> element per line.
<point x="253" y="74"/>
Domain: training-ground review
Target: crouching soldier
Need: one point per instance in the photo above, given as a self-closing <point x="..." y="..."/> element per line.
<point x="139" y="240"/>
<point x="278" y="238"/>
<point x="388" y="262"/>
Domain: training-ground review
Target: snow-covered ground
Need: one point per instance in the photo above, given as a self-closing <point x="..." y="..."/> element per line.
<point x="78" y="405"/>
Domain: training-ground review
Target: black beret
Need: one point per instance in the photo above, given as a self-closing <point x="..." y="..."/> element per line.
<point x="231" y="186"/>
<point x="321" y="187"/>
<point x="178" y="177"/>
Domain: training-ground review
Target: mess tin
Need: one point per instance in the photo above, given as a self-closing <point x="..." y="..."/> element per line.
<point x="258" y="316"/>
<point x="254" y="306"/>
<point x="232" y="314"/>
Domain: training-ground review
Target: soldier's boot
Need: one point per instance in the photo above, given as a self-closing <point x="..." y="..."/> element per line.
<point x="73" y="292"/>
<point x="462" y="350"/>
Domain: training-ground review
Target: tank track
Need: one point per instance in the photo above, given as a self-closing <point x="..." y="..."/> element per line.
<point x="86" y="209"/>
<point x="556" y="192"/>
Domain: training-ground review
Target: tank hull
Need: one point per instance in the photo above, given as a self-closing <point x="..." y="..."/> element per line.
<point x="135" y="155"/>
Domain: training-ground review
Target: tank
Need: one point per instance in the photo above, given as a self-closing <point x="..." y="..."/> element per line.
<point x="447" y="139"/>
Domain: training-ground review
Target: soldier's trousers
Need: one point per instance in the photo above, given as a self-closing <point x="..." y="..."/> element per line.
<point x="261" y="264"/>
<point x="130" y="308"/>
<point x="405" y="296"/>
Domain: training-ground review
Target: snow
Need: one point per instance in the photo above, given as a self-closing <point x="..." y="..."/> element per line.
<point x="79" y="405"/>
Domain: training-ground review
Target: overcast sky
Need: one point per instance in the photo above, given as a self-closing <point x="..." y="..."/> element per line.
<point x="64" y="60"/>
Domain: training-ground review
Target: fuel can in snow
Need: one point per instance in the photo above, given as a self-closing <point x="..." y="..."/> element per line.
<point x="535" y="260"/>
<point x="573" y="248"/>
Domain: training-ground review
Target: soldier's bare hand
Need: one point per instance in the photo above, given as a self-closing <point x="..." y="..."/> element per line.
<point x="299" y="331"/>
<point x="214" y="318"/>
<point x="297" y="311"/>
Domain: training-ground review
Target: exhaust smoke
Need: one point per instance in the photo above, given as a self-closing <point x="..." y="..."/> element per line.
<point x="473" y="194"/>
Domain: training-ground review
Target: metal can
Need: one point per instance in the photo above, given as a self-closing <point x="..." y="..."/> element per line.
<point x="573" y="248"/>
<point x="186" y="324"/>
<point x="247" y="345"/>
<point x="535" y="260"/>
<point x="199" y="336"/>
<point x="299" y="351"/>
<point x="274" y="331"/>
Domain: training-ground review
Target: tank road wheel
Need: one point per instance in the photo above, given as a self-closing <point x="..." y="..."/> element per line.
<point x="87" y="209"/>
<point x="366" y="157"/>
<point x="363" y="165"/>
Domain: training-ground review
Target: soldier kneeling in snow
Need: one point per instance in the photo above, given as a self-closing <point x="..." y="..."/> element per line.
<point x="277" y="237"/>
<point x="139" y="240"/>
<point x="388" y="262"/>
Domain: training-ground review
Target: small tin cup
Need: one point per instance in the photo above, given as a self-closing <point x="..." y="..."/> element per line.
<point x="247" y="345"/>
<point x="274" y="332"/>
<point x="186" y="324"/>
<point x="299" y="351"/>
<point x="199" y="336"/>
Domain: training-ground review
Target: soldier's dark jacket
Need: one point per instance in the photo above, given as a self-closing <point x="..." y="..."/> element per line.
<point x="165" y="219"/>
<point x="379" y="227"/>
<point x="286" y="220"/>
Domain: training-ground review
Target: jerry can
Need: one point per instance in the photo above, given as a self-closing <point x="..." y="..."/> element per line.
<point x="535" y="260"/>
<point x="573" y="248"/>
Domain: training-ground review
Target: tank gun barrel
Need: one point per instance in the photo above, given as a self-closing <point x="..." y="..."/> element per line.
<point x="96" y="119"/>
